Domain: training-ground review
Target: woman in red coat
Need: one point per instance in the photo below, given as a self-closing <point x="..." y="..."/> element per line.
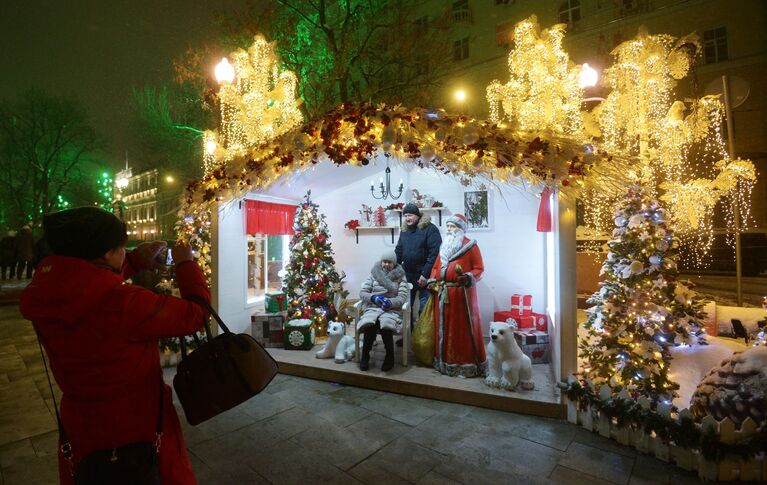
<point x="459" y="348"/>
<point x="101" y="336"/>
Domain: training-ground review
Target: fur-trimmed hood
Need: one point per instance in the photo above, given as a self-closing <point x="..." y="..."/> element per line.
<point x="424" y="221"/>
<point x="389" y="280"/>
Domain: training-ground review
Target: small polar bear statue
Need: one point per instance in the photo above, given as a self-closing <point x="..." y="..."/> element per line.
<point x="339" y="345"/>
<point x="507" y="366"/>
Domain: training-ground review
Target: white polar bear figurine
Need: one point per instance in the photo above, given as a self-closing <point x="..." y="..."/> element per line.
<point x="507" y="366"/>
<point x="339" y="345"/>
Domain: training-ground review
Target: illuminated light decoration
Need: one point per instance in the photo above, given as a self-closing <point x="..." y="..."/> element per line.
<point x="257" y="103"/>
<point x="676" y="151"/>
<point x="543" y="92"/>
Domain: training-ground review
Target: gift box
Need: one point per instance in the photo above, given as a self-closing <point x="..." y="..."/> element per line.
<point x="521" y="304"/>
<point x="275" y="302"/>
<point x="267" y="328"/>
<point x="299" y="334"/>
<point x="502" y="316"/>
<point x="531" y="337"/>
<point x="538" y="353"/>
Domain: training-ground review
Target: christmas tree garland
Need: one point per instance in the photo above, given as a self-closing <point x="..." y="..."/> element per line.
<point x="684" y="432"/>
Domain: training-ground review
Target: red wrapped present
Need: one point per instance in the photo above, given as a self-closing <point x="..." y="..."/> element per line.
<point x="521" y="304"/>
<point x="502" y="316"/>
<point x="534" y="321"/>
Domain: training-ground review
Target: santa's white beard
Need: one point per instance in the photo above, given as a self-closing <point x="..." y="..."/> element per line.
<point x="450" y="245"/>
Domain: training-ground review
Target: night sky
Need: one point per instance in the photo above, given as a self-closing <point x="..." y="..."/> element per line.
<point x="98" y="49"/>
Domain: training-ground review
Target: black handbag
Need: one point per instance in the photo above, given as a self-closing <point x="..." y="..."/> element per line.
<point x="221" y="373"/>
<point x="132" y="464"/>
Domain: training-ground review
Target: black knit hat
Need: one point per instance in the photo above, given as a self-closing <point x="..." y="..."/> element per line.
<point x="411" y="209"/>
<point x="83" y="232"/>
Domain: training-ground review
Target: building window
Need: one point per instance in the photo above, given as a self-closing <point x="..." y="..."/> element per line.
<point x="267" y="258"/>
<point x="504" y="35"/>
<point x="570" y="12"/>
<point x="461" y="12"/>
<point x="715" y="45"/>
<point x="461" y="49"/>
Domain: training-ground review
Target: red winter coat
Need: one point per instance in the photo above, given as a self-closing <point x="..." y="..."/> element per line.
<point x="101" y="337"/>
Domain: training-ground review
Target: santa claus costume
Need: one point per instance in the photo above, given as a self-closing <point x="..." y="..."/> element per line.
<point x="458" y="345"/>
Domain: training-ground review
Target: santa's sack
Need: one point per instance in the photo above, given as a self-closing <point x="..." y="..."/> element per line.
<point x="221" y="373"/>
<point x="423" y="335"/>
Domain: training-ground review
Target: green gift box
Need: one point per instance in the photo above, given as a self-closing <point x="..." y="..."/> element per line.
<point x="299" y="334"/>
<point x="275" y="302"/>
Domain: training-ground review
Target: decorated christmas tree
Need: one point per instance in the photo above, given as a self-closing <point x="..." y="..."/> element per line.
<point x="311" y="280"/>
<point x="641" y="309"/>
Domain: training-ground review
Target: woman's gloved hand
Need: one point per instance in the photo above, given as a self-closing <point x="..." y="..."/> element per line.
<point x="385" y="303"/>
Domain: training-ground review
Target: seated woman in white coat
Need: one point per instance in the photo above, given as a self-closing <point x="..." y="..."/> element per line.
<point x="385" y="290"/>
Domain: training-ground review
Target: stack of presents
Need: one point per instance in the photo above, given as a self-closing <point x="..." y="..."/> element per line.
<point x="272" y="329"/>
<point x="532" y="333"/>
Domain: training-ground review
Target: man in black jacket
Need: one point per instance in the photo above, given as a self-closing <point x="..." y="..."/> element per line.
<point x="417" y="249"/>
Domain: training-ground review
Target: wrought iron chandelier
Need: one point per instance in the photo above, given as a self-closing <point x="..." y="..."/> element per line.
<point x="385" y="190"/>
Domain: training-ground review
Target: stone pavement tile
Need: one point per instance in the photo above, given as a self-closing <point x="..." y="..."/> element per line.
<point x="264" y="405"/>
<point x="232" y="447"/>
<point x="378" y="429"/>
<point x="355" y="395"/>
<point x="336" y="445"/>
<point x="434" y="478"/>
<point x="46" y="444"/>
<point x="234" y="473"/>
<point x="24" y="424"/>
<point x="372" y="474"/>
<point x="472" y="474"/>
<point x="406" y="459"/>
<point x="505" y="453"/>
<point x="10" y="360"/>
<point x="4" y="379"/>
<point x="550" y="432"/>
<point x="288" y="463"/>
<point x="396" y="407"/>
<point x="598" y="463"/>
<point x="11" y="452"/>
<point x="441" y="431"/>
<point x="648" y="470"/>
<point x="594" y="440"/>
<point x="341" y="414"/>
<point x="33" y="470"/>
<point x="441" y="407"/>
<point x="226" y="422"/>
<point x="569" y="476"/>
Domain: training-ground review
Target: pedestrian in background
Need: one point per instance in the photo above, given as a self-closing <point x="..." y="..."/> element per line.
<point x="8" y="254"/>
<point x="25" y="252"/>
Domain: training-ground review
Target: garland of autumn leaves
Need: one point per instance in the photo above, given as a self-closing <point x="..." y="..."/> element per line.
<point x="353" y="133"/>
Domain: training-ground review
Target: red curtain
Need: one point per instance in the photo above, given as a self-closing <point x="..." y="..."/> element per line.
<point x="269" y="218"/>
<point x="544" y="211"/>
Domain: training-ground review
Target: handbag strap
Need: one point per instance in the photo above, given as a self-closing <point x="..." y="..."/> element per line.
<point x="65" y="446"/>
<point x="206" y="323"/>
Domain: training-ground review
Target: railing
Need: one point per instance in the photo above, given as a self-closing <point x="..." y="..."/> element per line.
<point x="732" y="467"/>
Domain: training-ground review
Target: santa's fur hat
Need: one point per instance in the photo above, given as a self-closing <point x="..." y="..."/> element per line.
<point x="459" y="220"/>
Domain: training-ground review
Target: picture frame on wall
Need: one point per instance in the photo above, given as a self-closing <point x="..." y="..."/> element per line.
<point x="476" y="208"/>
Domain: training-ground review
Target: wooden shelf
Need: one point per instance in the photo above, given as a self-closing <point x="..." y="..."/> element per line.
<point x="371" y="228"/>
<point x="438" y="210"/>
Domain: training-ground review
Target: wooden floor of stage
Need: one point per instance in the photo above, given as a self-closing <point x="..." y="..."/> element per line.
<point x="424" y="382"/>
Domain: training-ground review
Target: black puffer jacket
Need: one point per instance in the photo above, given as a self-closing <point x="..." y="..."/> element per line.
<point x="418" y="248"/>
